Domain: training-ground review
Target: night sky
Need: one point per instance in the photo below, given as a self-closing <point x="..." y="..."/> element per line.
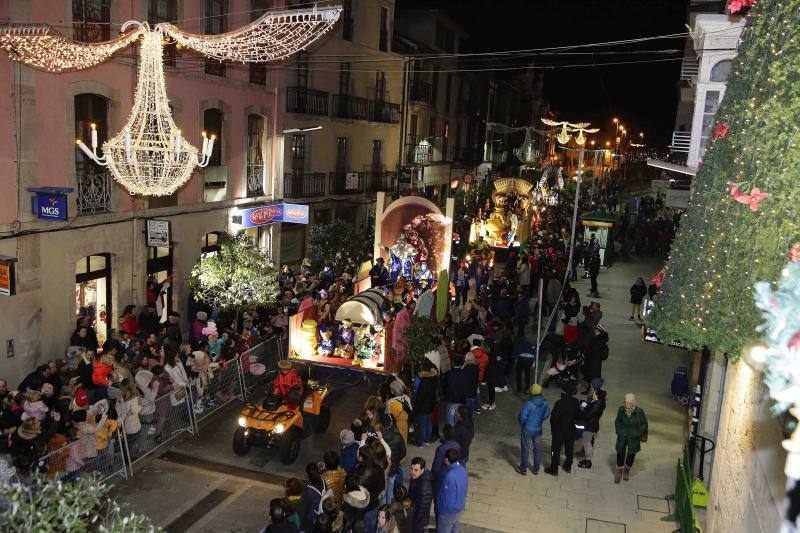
<point x="642" y="95"/>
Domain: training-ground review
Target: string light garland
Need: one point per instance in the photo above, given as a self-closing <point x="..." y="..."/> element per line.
<point x="43" y="48"/>
<point x="149" y="156"/>
<point x="273" y="36"/>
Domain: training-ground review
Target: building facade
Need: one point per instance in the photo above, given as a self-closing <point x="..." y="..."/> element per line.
<point x="444" y="119"/>
<point x="95" y="261"/>
<point x="341" y="105"/>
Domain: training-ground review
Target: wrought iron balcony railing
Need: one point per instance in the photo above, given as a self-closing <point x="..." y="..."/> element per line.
<point x="307" y="101"/>
<point x="305" y="185"/>
<point x="94" y="192"/>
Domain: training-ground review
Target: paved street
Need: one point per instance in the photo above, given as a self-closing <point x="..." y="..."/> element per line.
<point x="200" y="485"/>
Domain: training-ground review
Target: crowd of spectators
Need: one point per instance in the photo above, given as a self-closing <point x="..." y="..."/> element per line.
<point x="361" y="487"/>
<point x="63" y="419"/>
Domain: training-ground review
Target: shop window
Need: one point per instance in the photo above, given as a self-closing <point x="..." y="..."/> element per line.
<point x="93" y="293"/>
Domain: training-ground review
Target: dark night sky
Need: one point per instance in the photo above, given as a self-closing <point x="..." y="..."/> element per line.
<point x="642" y="95"/>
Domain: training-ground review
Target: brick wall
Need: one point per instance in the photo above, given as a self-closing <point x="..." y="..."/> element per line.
<point x="746" y="493"/>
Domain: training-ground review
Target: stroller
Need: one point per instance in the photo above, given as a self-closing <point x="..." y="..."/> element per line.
<point x="565" y="371"/>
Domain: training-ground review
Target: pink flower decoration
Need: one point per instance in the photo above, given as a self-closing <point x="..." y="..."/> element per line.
<point x="755" y="198"/>
<point x="737" y="6"/>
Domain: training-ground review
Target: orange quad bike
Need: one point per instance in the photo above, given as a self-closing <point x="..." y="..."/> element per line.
<point x="282" y="424"/>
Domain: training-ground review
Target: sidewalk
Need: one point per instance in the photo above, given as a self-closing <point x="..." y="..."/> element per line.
<point x="203" y="486"/>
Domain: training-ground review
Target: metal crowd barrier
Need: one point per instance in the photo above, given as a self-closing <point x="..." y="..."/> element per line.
<point x="172" y="416"/>
<point x="71" y="462"/>
<point x="166" y="418"/>
<point x="259" y="360"/>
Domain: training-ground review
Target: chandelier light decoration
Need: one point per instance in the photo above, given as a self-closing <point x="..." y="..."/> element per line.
<point x="567" y="127"/>
<point x="149" y="156"/>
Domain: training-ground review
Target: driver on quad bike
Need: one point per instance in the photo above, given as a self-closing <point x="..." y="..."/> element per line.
<point x="287" y="385"/>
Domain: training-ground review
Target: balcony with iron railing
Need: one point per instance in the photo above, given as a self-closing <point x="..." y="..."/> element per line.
<point x="349" y="183"/>
<point x="344" y="183"/>
<point x="382" y="111"/>
<point x="306" y="101"/>
<point x="690" y="68"/>
<point x="681" y="141"/>
<point x="94" y="191"/>
<point x="305" y="185"/>
<point x="421" y="92"/>
<point x="352" y="107"/>
<point x="376" y="181"/>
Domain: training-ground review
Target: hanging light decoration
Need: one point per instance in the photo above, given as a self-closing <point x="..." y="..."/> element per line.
<point x="566" y="127"/>
<point x="41" y="47"/>
<point x="150" y="156"/>
<point x="581" y="138"/>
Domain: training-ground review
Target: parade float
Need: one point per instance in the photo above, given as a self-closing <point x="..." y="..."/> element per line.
<point x="413" y="237"/>
<point x="508" y="222"/>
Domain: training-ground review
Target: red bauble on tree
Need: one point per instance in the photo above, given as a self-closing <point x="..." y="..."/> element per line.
<point x="721" y="130"/>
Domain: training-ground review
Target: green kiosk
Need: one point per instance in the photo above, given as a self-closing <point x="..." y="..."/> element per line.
<point x="602" y="224"/>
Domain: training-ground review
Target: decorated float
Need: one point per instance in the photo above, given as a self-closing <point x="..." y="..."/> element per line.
<point x="413" y="237"/>
<point x="509" y="220"/>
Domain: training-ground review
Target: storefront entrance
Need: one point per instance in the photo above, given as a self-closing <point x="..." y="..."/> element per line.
<point x="93" y="292"/>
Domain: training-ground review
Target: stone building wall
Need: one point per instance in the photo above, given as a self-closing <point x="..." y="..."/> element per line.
<point x="747" y="488"/>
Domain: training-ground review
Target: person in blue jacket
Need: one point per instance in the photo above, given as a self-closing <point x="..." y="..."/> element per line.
<point x="452" y="498"/>
<point x="531" y="417"/>
<point x="439" y="468"/>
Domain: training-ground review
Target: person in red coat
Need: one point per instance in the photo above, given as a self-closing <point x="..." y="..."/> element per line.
<point x="287" y="384"/>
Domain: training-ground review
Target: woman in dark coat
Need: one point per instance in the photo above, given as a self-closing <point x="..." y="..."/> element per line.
<point x="638" y="291"/>
<point x="594" y="354"/>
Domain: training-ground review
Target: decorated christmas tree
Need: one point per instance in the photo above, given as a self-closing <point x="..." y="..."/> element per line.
<point x="744" y="216"/>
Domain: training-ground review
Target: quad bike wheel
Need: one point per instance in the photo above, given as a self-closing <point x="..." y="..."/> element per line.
<point x="240" y="444"/>
<point x="289" y="446"/>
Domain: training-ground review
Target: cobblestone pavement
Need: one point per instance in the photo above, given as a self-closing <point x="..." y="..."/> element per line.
<point x="200" y="485"/>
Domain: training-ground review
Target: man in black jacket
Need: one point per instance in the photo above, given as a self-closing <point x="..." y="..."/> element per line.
<point x="370" y="476"/>
<point x="174" y="335"/>
<point x="148" y="319"/>
<point x="457" y="388"/>
<point x="463" y="433"/>
<point x="397" y="445"/>
<point x="594" y="271"/>
<point x="562" y="429"/>
<point x="594" y="354"/>
<point x="420" y="492"/>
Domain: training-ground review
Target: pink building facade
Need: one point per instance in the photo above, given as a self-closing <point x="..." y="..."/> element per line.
<point x="96" y="261"/>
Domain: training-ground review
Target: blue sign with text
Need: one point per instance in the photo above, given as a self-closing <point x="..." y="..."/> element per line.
<point x="50" y="206"/>
<point x="270" y="214"/>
